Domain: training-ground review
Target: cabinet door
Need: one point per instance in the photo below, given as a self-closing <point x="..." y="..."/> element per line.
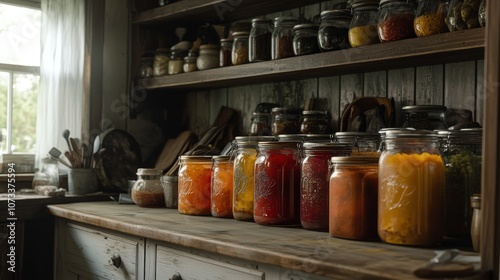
<point x="90" y="253"/>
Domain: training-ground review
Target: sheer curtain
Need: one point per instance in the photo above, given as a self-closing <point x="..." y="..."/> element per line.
<point x="61" y="74"/>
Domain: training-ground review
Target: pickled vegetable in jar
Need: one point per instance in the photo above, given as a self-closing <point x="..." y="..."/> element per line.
<point x="222" y="187"/>
<point x="261" y="124"/>
<point x="411" y="189"/>
<point x="362" y="143"/>
<point x="314" y="183"/>
<point x="285" y="120"/>
<point x="463" y="14"/>
<point x="396" y="20"/>
<point x="353" y="198"/>
<point x="430" y="117"/>
<point x="147" y="191"/>
<point x="430" y="17"/>
<point x="333" y="30"/>
<point x="305" y="40"/>
<point x="363" y="27"/>
<point x="277" y="184"/>
<point x="315" y="122"/>
<point x="194" y="185"/>
<point x="160" y="64"/>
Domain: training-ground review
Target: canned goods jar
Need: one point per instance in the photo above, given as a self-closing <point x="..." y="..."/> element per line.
<point x="226" y="46"/>
<point x="396" y="20"/>
<point x="239" y="53"/>
<point x="314" y="183"/>
<point x="259" y="40"/>
<point x="362" y="143"/>
<point x="277" y="184"/>
<point x="411" y="189"/>
<point x="176" y="62"/>
<point x="285" y="120"/>
<point x="194" y="184"/>
<point x="463" y="14"/>
<point x="315" y="122"/>
<point x="160" y="65"/>
<point x="282" y="37"/>
<point x="430" y="117"/>
<point x="363" y="27"/>
<point x="222" y="187"/>
<point x="190" y="64"/>
<point x="305" y="40"/>
<point x="333" y="30"/>
<point x="430" y="17"/>
<point x="354" y="198"/>
<point x="148" y="190"/>
<point x="208" y="58"/>
<point x="261" y="124"/>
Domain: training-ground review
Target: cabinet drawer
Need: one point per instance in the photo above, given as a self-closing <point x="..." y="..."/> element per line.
<point x="93" y="253"/>
<point x="170" y="261"/>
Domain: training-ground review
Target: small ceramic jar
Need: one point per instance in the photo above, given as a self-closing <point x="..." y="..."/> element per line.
<point x="208" y="58"/>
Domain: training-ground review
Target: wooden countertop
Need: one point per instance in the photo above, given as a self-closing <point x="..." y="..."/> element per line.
<point x="288" y="247"/>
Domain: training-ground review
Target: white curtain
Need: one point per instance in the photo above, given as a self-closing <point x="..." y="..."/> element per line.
<point x="61" y="74"/>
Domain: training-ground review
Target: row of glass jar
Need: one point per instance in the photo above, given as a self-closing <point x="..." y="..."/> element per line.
<point x="283" y="120"/>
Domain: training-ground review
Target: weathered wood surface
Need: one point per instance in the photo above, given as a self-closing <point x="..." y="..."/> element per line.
<point x="288" y="247"/>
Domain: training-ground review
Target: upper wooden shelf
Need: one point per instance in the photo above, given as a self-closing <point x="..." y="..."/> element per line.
<point x="215" y="11"/>
<point x="440" y="48"/>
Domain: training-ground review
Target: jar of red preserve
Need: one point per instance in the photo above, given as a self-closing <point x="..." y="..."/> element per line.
<point x="194" y="185"/>
<point x="396" y="20"/>
<point x="222" y="187"/>
<point x="277" y="184"/>
<point x="314" y="183"/>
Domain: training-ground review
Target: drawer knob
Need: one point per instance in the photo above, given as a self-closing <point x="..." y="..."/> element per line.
<point x="116" y="261"/>
<point x="176" y="276"/>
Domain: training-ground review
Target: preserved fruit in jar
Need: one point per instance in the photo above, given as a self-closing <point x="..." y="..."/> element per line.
<point x="147" y="190"/>
<point x="282" y="37"/>
<point x="285" y="120"/>
<point x="430" y="17"/>
<point x="396" y="20"/>
<point x="194" y="185"/>
<point x="363" y="27"/>
<point x="222" y="187"/>
<point x="314" y="122"/>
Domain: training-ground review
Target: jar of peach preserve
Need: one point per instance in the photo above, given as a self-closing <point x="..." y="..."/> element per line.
<point x="194" y="184"/>
<point x="314" y="182"/>
<point x="411" y="189"/>
<point x="222" y="187"/>
<point x="277" y="184"/>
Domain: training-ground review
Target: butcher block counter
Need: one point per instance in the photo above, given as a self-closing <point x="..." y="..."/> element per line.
<point x="259" y="252"/>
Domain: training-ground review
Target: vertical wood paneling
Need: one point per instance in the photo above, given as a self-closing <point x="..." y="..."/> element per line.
<point x="200" y="114"/>
<point x="351" y="87"/>
<point x="251" y="99"/>
<point x="236" y="99"/>
<point x="329" y="89"/>
<point x="267" y="94"/>
<point x="375" y="84"/>
<point x="480" y="88"/>
<point x="429" y="85"/>
<point x="309" y="13"/>
<point x="401" y="87"/>
<point x="218" y="98"/>
<point x="331" y="4"/>
<point x="306" y="89"/>
<point x="460" y="84"/>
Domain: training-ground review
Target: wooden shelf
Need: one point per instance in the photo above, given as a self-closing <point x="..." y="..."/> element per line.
<point x="441" y="48"/>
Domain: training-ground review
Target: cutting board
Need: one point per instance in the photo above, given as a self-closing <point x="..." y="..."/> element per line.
<point x="173" y="148"/>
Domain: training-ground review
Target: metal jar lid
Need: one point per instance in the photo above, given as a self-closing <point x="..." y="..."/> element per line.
<point x="424" y="108"/>
<point x="308" y="26"/>
<point x="196" y="158"/>
<point x="336" y="14"/>
<point x="148" y="172"/>
<point x="417" y="133"/>
<point x="320" y="146"/>
<point x="358" y="160"/>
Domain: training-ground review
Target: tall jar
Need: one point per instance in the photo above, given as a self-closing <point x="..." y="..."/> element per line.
<point x="462" y="158"/>
<point x="305" y="40"/>
<point x="463" y="14"/>
<point x="148" y="190"/>
<point x="259" y="40"/>
<point x="239" y="54"/>
<point x="362" y="143"/>
<point x="226" y="46"/>
<point x="285" y="120"/>
<point x="333" y="30"/>
<point x="282" y="37"/>
<point x="222" y="187"/>
<point x="314" y="183"/>
<point x="314" y="122"/>
<point x="363" y="27"/>
<point x="277" y="184"/>
<point x="411" y="189"/>
<point x="160" y="65"/>
<point x="208" y="58"/>
<point x="194" y="185"/>
<point x="353" y="198"/>
<point x="176" y="62"/>
<point x="430" y="17"/>
<point x="396" y="20"/>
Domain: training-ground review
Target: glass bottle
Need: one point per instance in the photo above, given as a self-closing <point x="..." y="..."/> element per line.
<point x="209" y="57"/>
<point x="259" y="40"/>
<point x="222" y="187"/>
<point x="314" y="183"/>
<point x="176" y="62"/>
<point x="363" y="27"/>
<point x="305" y="40"/>
<point x="190" y="64"/>
<point x="333" y="30"/>
<point x="194" y="184"/>
<point x="148" y="190"/>
<point x="314" y="122"/>
<point x="261" y="124"/>
<point x="430" y="17"/>
<point x="463" y="14"/>
<point x="396" y="20"/>
<point x="226" y="46"/>
<point x="411" y="189"/>
<point x="285" y="120"/>
<point x="353" y="198"/>
<point x="239" y="53"/>
<point x="160" y="65"/>
<point x="282" y="37"/>
<point x="362" y="143"/>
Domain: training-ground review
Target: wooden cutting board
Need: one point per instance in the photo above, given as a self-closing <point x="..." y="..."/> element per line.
<point x="173" y="148"/>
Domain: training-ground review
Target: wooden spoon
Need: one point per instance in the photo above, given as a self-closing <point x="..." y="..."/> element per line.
<point x="65" y="134"/>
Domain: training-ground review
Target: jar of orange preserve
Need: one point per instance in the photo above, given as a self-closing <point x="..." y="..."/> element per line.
<point x="411" y="189"/>
<point x="194" y="185"/>
<point x="222" y="187"/>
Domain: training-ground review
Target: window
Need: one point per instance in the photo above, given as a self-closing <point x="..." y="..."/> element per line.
<point x="19" y="80"/>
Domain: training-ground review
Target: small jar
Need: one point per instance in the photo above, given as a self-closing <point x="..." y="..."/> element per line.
<point x="222" y="187"/>
<point x="176" y="62"/>
<point x="305" y="40"/>
<point x="475" y="201"/>
<point x="50" y="171"/>
<point x="482" y="13"/>
<point x="259" y="40"/>
<point x="314" y="122"/>
<point x="333" y="30"/>
<point x="463" y="14"/>
<point x="396" y="20"/>
<point x="226" y="46"/>
<point x="429" y="117"/>
<point x="209" y="57"/>
<point x="363" y="27"/>
<point x="362" y="143"/>
<point x="160" y="65"/>
<point x="239" y="54"/>
<point x="148" y="190"/>
<point x="277" y="184"/>
<point x="285" y="120"/>
<point x="430" y="17"/>
<point x="353" y="198"/>
<point x="194" y="184"/>
<point x="411" y="189"/>
<point x="190" y="64"/>
<point x="314" y="183"/>
<point x="282" y="37"/>
<point x="147" y="64"/>
<point x="261" y="124"/>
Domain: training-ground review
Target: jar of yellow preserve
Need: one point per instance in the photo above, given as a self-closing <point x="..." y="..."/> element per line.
<point x="411" y="189"/>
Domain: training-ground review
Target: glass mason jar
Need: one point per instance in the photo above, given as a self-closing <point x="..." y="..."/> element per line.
<point x="353" y="198"/>
<point x="462" y="157"/>
<point x="261" y="124"/>
<point x="430" y="17"/>
<point x="463" y="14"/>
<point x="305" y="39"/>
<point x="160" y="65"/>
<point x="222" y="187"/>
<point x="147" y="67"/>
<point x="285" y="120"/>
<point x="482" y="13"/>
<point x="209" y="57"/>
<point x="226" y="46"/>
<point x="411" y="189"/>
<point x="243" y="194"/>
<point x="259" y="40"/>
<point x="430" y="117"/>
<point x="282" y="37"/>
<point x="314" y="183"/>
<point x="362" y="143"/>
<point x="333" y="30"/>
<point x="190" y="64"/>
<point x="148" y="190"/>
<point x="176" y="62"/>
<point x="277" y="184"/>
<point x="314" y="122"/>
<point x="239" y="54"/>
<point x="396" y="20"/>
<point x="194" y="184"/>
<point x="363" y="27"/>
